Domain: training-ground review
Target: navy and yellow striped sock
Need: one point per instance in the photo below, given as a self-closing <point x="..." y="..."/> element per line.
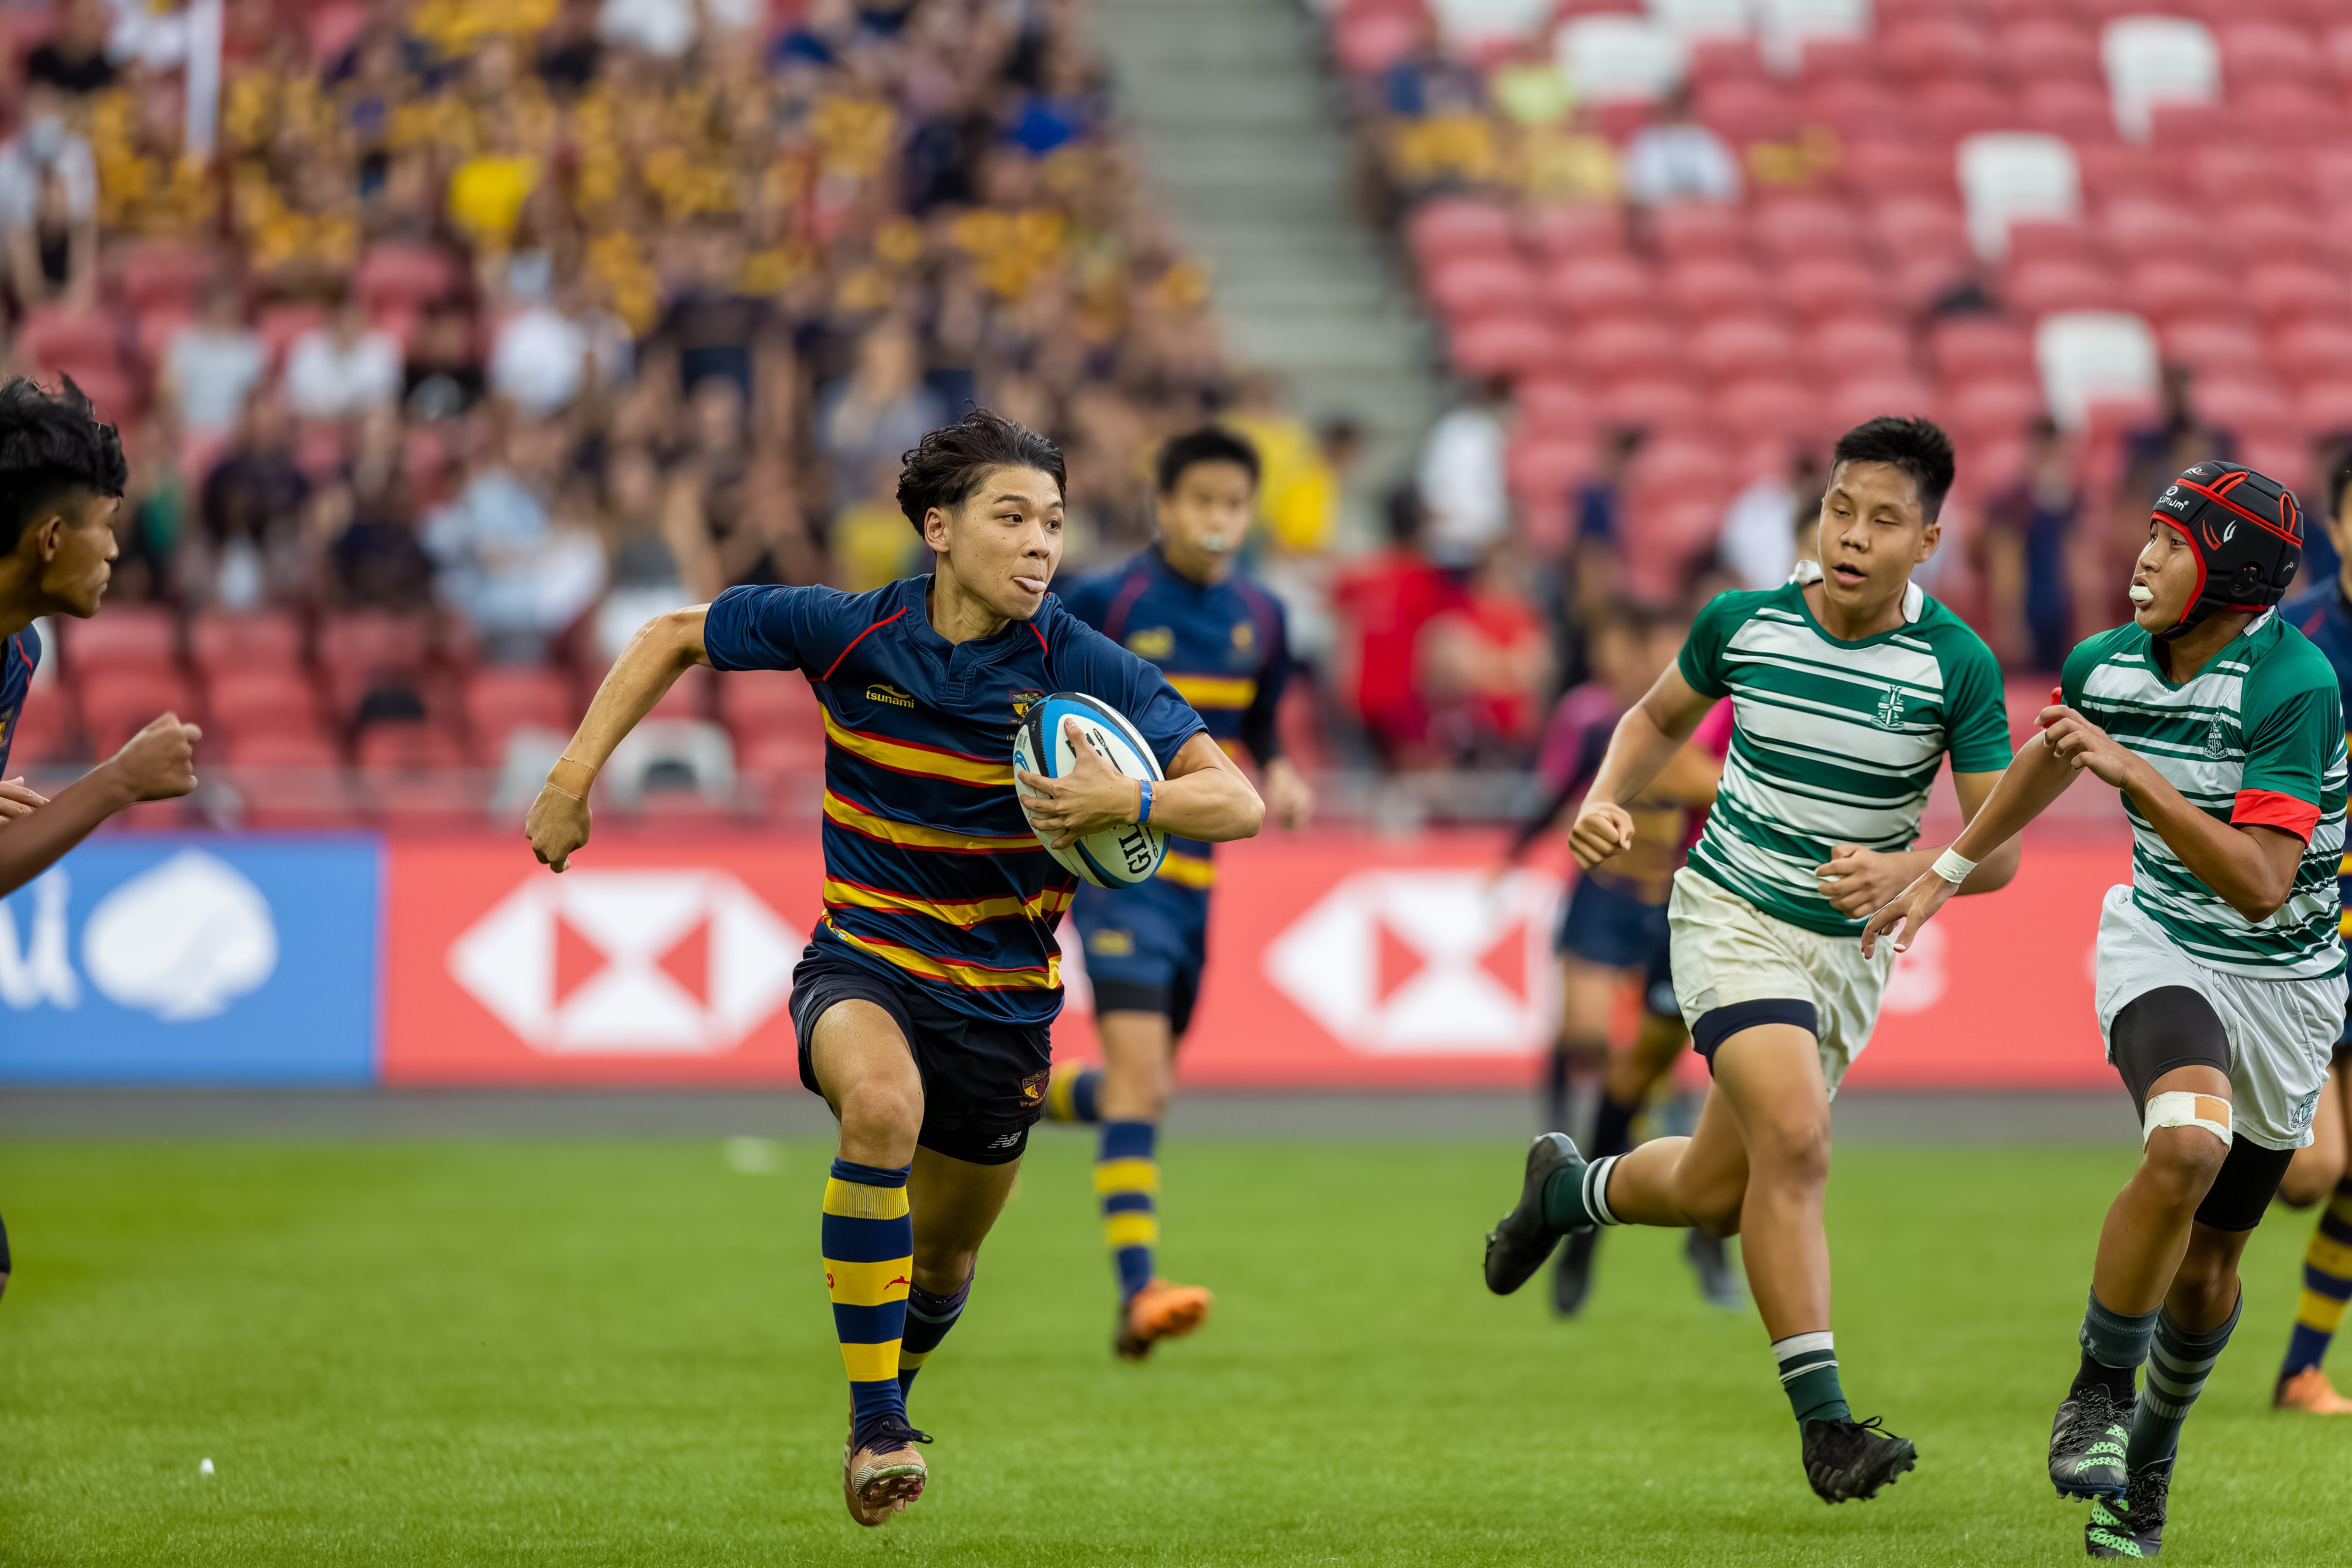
<point x="1809" y="1378"/>
<point x="928" y="1318"/>
<point x="2326" y="1284"/>
<point x="1127" y="1179"/>
<point x="1075" y="1096"/>
<point x="870" y="1264"/>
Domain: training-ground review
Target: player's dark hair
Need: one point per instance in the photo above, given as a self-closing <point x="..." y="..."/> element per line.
<point x="1210" y="444"/>
<point x="1917" y="447"/>
<point x="945" y="467"/>
<point x="49" y="447"/>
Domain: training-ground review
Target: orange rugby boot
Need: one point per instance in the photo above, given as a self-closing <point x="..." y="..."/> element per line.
<point x="1159" y="1312"/>
<point x="881" y="1476"/>
<point x="2310" y="1391"/>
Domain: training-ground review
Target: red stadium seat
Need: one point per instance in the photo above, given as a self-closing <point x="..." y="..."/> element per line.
<point x="1831" y="286"/>
<point x="118" y="705"/>
<point x="222" y="642"/>
<point x="1711" y="61"/>
<point x="1600" y="286"/>
<point x="1993" y="406"/>
<point x="2293" y="289"/>
<point x="1505" y="343"/>
<point x="43" y="729"/>
<point x="1970" y="346"/>
<point x="2079" y="110"/>
<point x="1742" y="112"/>
<point x="2114" y="171"/>
<point x="2060" y="286"/>
<point x="1836" y="59"/>
<point x="408" y="745"/>
<point x="1915" y="226"/>
<point x="1447" y="226"/>
<point x="1370" y="43"/>
<point x="1699" y="231"/>
<point x="279" y="325"/>
<point x="60" y="337"/>
<point x="140" y="639"/>
<point x="157" y="326"/>
<point x="264" y="701"/>
<point x="2160" y="287"/>
<point x="1653" y="404"/>
<point x="1858" y="110"/>
<point x="1552" y="406"/>
<point x="2177" y="128"/>
<point x="1963" y="106"/>
<point x="1854" y="346"/>
<point x="1879" y="163"/>
<point x="691" y="696"/>
<point x="2045" y="47"/>
<point x="165" y="275"/>
<point x="2032" y="241"/>
<point x="1482" y="286"/>
<point x="1543" y="476"/>
<point x="502" y="700"/>
<point x="1769" y="405"/>
<point x="1702" y="288"/>
<point x="2325" y="407"/>
<point x="359" y="651"/>
<point x="2247" y="404"/>
<point x="1734" y="347"/>
<point x="1932" y="47"/>
<point x="774" y="755"/>
<point x="2225" y="172"/>
<point x="287" y="749"/>
<point x="2271" y="231"/>
<point x="2289" y="119"/>
<point x="1626" y="349"/>
<point x="404" y="277"/>
<point x="767" y="702"/>
<point x="1560" y="234"/>
<point x="2260" y="55"/>
<point x="1801" y="228"/>
<point x="2134" y="227"/>
<point x="2312" y="350"/>
<point x="1854" y="402"/>
<point x="2213" y="346"/>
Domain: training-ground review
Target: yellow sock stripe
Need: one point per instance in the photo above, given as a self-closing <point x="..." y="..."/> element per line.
<point x="1126" y="1176"/>
<point x="1061" y="1097"/>
<point x="852" y="1200"/>
<point x="868" y="1284"/>
<point x="909" y="1359"/>
<point x="1131" y="1230"/>
<point x="871" y="1363"/>
<point x="2330" y="1257"/>
<point x="2318" y="1311"/>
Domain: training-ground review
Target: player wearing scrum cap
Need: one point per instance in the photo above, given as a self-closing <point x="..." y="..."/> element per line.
<point x="2220" y="974"/>
<point x="1851" y="687"/>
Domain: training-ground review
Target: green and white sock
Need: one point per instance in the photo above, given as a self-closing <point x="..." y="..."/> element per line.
<point x="1809" y="1375"/>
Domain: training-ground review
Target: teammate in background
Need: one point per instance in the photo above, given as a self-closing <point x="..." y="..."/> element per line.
<point x="925" y="1001"/>
<point x="61" y="475"/>
<point x="1612" y="925"/>
<point x="2319" y="1170"/>
<point x="1851" y="685"/>
<point x="2221" y="972"/>
<point x="1221" y="641"/>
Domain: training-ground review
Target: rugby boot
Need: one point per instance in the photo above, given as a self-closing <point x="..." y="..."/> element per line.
<point x="1571" y="1277"/>
<point x="2133" y="1526"/>
<point x="1853" y="1458"/>
<point x="881" y="1473"/>
<point x="1718" y="1277"/>
<point x="2086" y="1444"/>
<point x="1520" y="1240"/>
<point x="1159" y="1312"/>
<point x="2309" y="1390"/>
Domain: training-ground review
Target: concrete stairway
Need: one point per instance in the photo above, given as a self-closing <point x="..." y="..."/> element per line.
<point x="1241" y="135"/>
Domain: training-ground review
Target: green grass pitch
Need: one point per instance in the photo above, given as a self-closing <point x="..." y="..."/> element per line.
<point x="621" y="1353"/>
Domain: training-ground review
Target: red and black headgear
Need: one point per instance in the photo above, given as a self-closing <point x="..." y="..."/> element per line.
<point x="2247" y="532"/>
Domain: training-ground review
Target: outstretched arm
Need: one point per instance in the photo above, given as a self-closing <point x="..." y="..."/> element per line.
<point x="1645" y="740"/>
<point x="664" y="649"/>
<point x="157" y="764"/>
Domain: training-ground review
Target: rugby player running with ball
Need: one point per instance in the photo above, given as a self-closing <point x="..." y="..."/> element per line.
<point x="924" y="1003"/>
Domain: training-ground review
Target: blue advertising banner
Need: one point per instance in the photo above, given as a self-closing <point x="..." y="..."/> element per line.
<point x="196" y="960"/>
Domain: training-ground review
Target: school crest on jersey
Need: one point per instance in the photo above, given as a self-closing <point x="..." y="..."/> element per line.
<point x="1890" y="708"/>
<point x="1033" y="1092"/>
<point x="1151" y="642"/>
<point x="1021" y="701"/>
<point x="2215" y="744"/>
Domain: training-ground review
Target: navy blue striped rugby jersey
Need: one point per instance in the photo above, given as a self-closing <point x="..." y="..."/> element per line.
<point x="19" y="657"/>
<point x="1224" y="646"/>
<point x="931" y="873"/>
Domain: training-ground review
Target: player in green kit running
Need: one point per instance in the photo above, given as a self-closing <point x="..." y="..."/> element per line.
<point x="2221" y="978"/>
<point x="1850" y="687"/>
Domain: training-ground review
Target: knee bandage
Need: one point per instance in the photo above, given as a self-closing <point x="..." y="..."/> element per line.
<point x="2179" y="1108"/>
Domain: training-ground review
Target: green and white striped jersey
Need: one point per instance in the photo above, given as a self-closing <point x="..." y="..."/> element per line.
<point x="2257" y="735"/>
<point x="1835" y="742"/>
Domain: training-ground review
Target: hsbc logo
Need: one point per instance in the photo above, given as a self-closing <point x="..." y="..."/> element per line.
<point x="629" y="963"/>
<point x="1426" y="962"/>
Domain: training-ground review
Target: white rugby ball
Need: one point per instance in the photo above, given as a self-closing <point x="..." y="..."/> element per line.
<point x="1120" y="857"/>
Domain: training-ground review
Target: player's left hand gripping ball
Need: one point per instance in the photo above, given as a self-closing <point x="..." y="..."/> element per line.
<point x="1091" y="797"/>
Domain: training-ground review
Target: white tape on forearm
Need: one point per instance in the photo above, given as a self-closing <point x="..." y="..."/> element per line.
<point x="1953" y="868"/>
<point x="2179" y="1108"/>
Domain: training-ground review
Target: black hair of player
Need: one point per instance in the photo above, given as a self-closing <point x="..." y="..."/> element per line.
<point x="945" y="467"/>
<point x="1208" y="444"/>
<point x="50" y="447"/>
<point x="1917" y="447"/>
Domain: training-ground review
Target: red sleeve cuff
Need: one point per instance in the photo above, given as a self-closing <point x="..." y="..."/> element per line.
<point x="2268" y="808"/>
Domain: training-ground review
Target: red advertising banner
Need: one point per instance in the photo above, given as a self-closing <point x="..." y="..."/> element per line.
<point x="1335" y="961"/>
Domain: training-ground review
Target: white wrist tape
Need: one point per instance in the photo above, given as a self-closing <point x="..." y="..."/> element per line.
<point x="2179" y="1108"/>
<point x="1953" y="868"/>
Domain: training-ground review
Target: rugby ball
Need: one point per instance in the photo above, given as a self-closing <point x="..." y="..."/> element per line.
<point x="1120" y="857"/>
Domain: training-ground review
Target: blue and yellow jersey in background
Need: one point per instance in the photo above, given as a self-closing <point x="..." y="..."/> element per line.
<point x="931" y="873"/>
<point x="19" y="657"/>
<point x="2324" y="616"/>
<point x="1224" y="646"/>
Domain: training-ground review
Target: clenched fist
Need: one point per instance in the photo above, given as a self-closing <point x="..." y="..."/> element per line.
<point x="160" y="761"/>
